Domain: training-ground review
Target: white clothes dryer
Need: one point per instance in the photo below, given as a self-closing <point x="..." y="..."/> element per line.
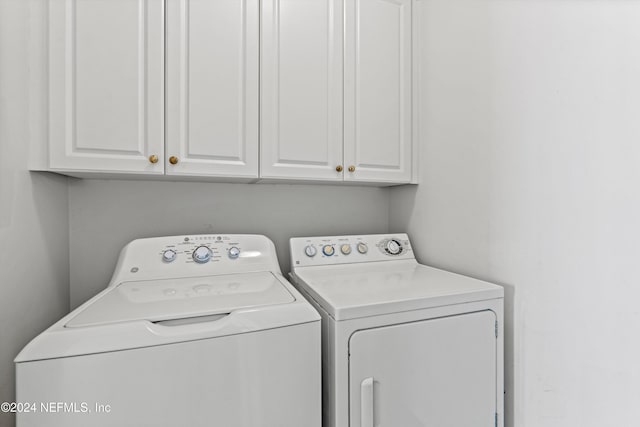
<point x="192" y="331"/>
<point x="403" y="344"/>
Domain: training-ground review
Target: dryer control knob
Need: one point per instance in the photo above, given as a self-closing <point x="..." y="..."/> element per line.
<point x="328" y="250"/>
<point x="234" y="252"/>
<point x="169" y="255"/>
<point x="345" y="249"/>
<point x="310" y="251"/>
<point x="201" y="254"/>
<point x="362" y="248"/>
<point x="393" y="247"/>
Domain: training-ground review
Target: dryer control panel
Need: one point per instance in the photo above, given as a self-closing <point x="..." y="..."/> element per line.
<point x="195" y="255"/>
<point x="332" y="250"/>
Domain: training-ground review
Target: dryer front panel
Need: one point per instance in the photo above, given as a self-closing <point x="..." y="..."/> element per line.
<point x="439" y="372"/>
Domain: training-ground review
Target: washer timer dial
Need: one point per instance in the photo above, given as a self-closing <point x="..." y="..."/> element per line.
<point x="201" y="254"/>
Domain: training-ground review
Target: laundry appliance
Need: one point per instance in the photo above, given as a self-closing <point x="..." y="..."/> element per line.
<point x="403" y="344"/>
<point x="198" y="330"/>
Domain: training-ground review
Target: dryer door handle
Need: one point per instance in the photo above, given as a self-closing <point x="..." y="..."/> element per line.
<point x="366" y="402"/>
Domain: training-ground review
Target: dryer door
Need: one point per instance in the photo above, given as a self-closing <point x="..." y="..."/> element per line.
<point x="439" y="372"/>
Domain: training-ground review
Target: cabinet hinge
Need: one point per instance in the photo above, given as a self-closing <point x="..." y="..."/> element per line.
<point x="496" y="329"/>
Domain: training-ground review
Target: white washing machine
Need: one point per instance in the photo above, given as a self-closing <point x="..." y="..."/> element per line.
<point x="403" y="344"/>
<point x="191" y="331"/>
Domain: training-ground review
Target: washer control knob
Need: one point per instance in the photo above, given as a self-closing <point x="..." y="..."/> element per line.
<point x="328" y="250"/>
<point x="310" y="251"/>
<point x="363" y="248"/>
<point x="234" y="252"/>
<point x="169" y="255"/>
<point x="393" y="247"/>
<point x="345" y="249"/>
<point x="201" y="254"/>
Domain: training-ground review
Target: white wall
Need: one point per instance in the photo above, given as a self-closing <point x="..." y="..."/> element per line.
<point x="530" y="139"/>
<point x="105" y="215"/>
<point x="34" y="243"/>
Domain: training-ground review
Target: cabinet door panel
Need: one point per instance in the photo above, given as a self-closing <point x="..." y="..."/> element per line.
<point x="439" y="372"/>
<point x="106" y="85"/>
<point x="378" y="90"/>
<point x="212" y="87"/>
<point x="301" y="105"/>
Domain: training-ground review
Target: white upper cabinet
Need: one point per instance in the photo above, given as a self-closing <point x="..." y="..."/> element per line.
<point x="377" y="98"/>
<point x="106" y="85"/>
<point x="212" y="88"/>
<point x="239" y="90"/>
<point x="323" y="118"/>
<point x="301" y="86"/>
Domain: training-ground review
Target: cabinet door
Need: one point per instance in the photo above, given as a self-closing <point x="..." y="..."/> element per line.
<point x="439" y="372"/>
<point x="301" y="87"/>
<point x="378" y="90"/>
<point x="106" y="85"/>
<point x="212" y="87"/>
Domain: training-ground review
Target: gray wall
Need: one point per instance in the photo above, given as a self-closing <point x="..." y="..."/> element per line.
<point x="107" y="214"/>
<point x="34" y="242"/>
<point x="530" y="139"/>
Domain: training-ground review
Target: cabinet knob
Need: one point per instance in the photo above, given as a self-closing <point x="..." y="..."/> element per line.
<point x="153" y="159"/>
<point x="339" y="168"/>
<point x="352" y="168"/>
<point x="173" y="160"/>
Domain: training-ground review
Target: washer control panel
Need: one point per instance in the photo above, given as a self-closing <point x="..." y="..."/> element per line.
<point x="201" y="250"/>
<point x="331" y="250"/>
<point x="194" y="255"/>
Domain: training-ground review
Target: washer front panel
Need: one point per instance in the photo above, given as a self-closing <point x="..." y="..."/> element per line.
<point x="268" y="378"/>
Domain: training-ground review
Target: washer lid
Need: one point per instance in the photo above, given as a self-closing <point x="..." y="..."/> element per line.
<point x="368" y="289"/>
<point x="167" y="299"/>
